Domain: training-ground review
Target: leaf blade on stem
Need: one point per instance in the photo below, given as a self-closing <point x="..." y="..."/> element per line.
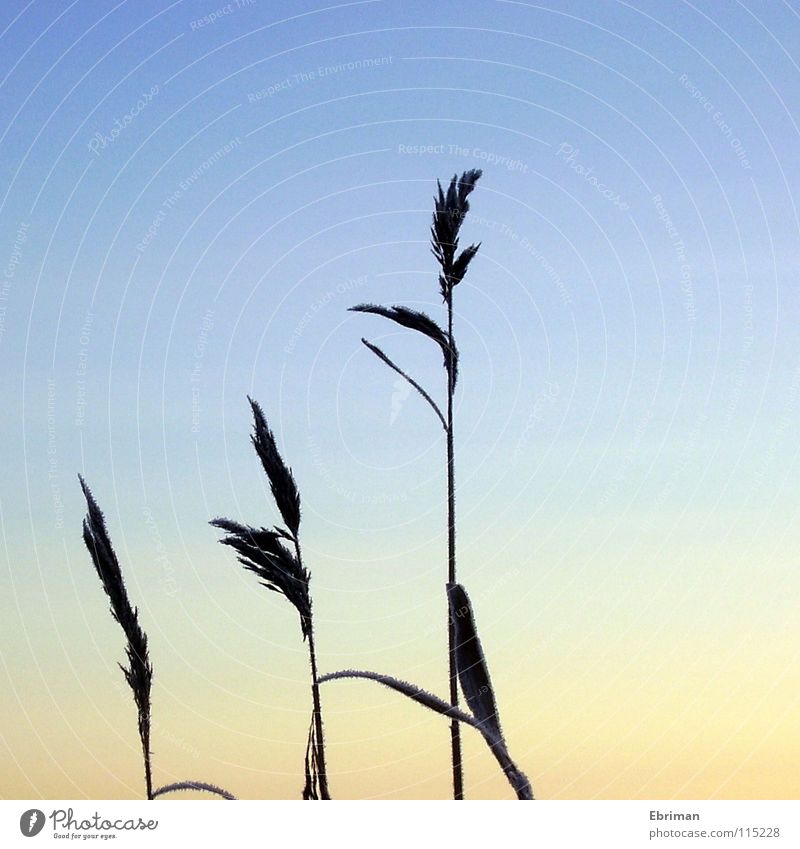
<point x="382" y="356"/>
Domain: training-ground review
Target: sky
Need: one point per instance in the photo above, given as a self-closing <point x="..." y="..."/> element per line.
<point x="193" y="194"/>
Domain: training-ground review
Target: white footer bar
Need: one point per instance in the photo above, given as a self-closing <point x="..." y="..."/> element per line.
<point x="404" y="825"/>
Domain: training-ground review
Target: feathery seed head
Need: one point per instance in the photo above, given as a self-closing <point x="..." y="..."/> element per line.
<point x="139" y="671"/>
<point x="450" y="209"/>
<point x="262" y="552"/>
<point x="281" y="480"/>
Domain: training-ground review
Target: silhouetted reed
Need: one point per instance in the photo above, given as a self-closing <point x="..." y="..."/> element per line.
<point x="139" y="671"/>
<point x="450" y="210"/>
<point x="280" y="567"/>
<point x="473" y="675"/>
<point x="274" y="554"/>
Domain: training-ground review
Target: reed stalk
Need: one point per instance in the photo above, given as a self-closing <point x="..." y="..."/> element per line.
<point x="275" y="556"/>
<point x="450" y="209"/>
<point x="139" y="671"/>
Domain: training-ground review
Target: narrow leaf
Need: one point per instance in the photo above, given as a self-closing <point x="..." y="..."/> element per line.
<point x="311" y="789"/>
<point x="473" y="673"/>
<point x="379" y="353"/>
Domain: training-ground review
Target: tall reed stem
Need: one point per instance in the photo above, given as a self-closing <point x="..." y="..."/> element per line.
<point x="455" y="727"/>
<point x="450" y="208"/>
<point x="148" y="775"/>
<point x="319" y="742"/>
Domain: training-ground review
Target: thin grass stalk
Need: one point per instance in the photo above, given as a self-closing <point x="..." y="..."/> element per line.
<point x="450" y="209"/>
<point x="265" y="553"/>
<point x="139" y="671"/>
<point x="148" y="769"/>
<point x="490" y="731"/>
<point x="455" y="727"/>
<point x="319" y="737"/>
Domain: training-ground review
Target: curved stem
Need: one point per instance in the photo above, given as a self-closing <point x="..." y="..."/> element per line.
<point x="192" y="785"/>
<point x="405" y="688"/>
<point x="515" y="777"/>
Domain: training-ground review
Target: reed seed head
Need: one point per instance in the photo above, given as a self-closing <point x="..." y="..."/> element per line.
<point x="139" y="671"/>
<point x="262" y="552"/>
<point x="281" y="480"/>
<point x="450" y="209"/>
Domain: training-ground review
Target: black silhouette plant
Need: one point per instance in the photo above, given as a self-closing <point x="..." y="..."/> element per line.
<point x="275" y="556"/>
<point x="476" y="685"/>
<point x="139" y="671"/>
<point x="450" y="209"/>
<point x="280" y="568"/>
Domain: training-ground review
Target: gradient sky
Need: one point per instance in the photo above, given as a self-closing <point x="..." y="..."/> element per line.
<point x="627" y="415"/>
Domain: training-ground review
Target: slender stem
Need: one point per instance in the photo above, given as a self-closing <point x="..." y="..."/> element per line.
<point x="494" y="739"/>
<point x="451" y="488"/>
<point x="320" y="740"/>
<point x="318" y="732"/>
<point x="455" y="728"/>
<point x="144" y="733"/>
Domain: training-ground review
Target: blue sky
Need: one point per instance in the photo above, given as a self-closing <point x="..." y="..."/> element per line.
<point x="630" y="368"/>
